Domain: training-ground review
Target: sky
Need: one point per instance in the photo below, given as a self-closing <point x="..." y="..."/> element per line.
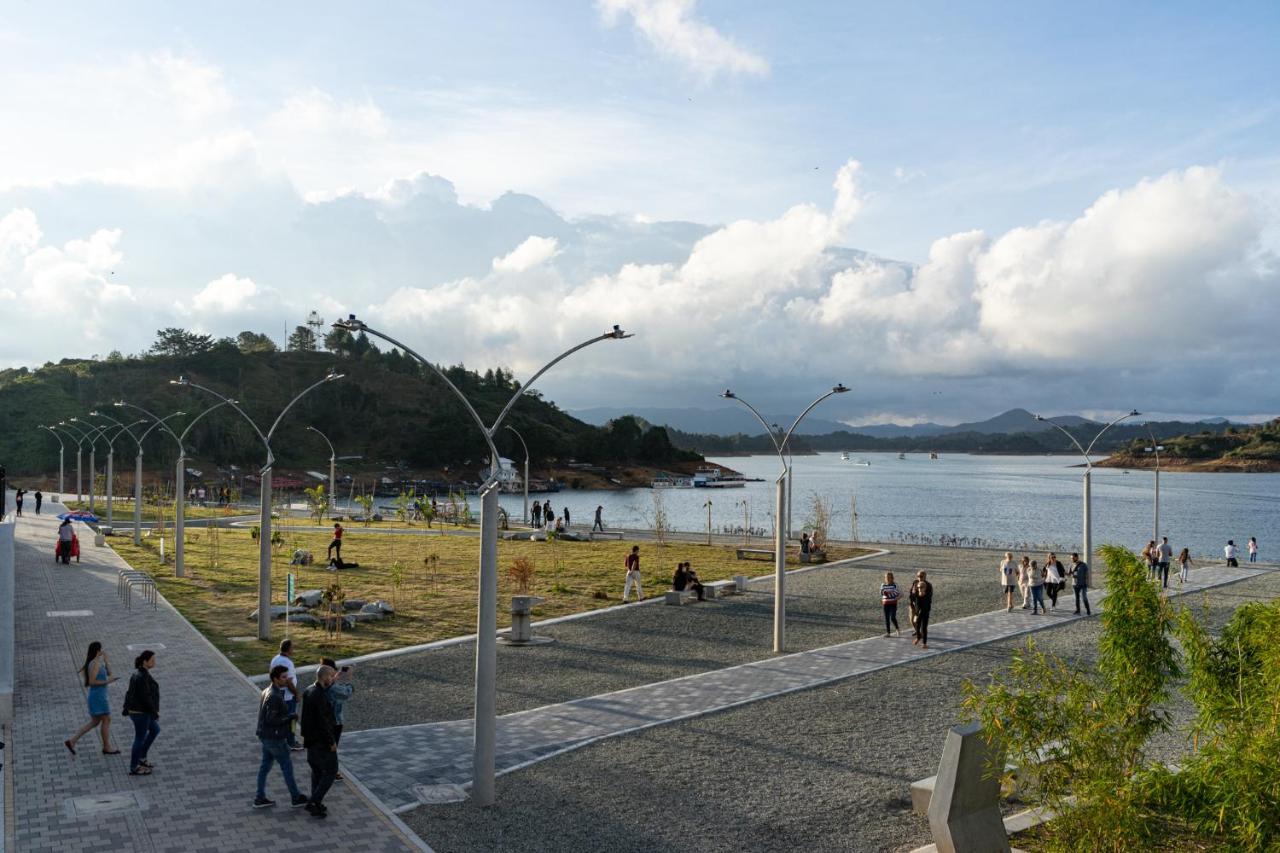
<point x="955" y="209"/>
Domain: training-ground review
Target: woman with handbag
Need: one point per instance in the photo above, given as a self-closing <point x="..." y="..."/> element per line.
<point x="889" y="596"/>
<point x="142" y="705"/>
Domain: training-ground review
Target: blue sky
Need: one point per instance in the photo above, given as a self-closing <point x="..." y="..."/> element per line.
<point x="963" y="117"/>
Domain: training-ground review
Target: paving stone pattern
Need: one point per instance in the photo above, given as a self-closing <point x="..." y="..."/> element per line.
<point x="433" y="754"/>
<point x="206" y="757"/>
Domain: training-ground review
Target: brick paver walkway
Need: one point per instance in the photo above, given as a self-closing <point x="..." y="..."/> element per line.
<point x="433" y="758"/>
<point x="206" y="757"/>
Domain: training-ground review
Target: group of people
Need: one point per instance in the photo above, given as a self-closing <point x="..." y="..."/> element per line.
<point x="200" y="495"/>
<point x="1034" y="581"/>
<point x="919" y="603"/>
<point x="317" y="712"/>
<point x="20" y="494"/>
<point x="1232" y="553"/>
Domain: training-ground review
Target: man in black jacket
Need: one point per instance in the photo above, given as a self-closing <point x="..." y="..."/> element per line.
<point x="273" y="731"/>
<point x="319" y="737"/>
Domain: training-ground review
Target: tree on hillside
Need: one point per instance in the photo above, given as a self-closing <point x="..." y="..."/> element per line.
<point x="249" y="342"/>
<point x="302" y="340"/>
<point x="181" y="343"/>
<point x="339" y="341"/>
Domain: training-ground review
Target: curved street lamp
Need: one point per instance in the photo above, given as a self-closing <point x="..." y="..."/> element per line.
<point x="1155" y="448"/>
<point x="111" y="454"/>
<point x="333" y="468"/>
<point x="61" y="456"/>
<point x="780" y="512"/>
<point x="78" y="438"/>
<point x="264" y="519"/>
<point x="1088" y="475"/>
<point x="92" y="432"/>
<point x="487" y="616"/>
<point x="137" y="464"/>
<point x="526" y="472"/>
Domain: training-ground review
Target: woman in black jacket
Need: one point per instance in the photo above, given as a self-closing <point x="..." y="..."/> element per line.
<point x="142" y="705"/>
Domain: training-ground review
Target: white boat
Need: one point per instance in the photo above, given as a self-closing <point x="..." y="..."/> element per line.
<point x="666" y="481"/>
<point x="865" y="463"/>
<point x="714" y="478"/>
<point x="933" y="455"/>
<point x="902" y="456"/>
<point x="844" y="456"/>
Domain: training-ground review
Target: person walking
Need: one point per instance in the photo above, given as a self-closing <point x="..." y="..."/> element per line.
<point x="1053" y="583"/>
<point x="66" y="540"/>
<point x="633" y="574"/>
<point x="18" y="495"/>
<point x="97" y="675"/>
<point x="1024" y="580"/>
<point x="274" y="722"/>
<point x="567" y="522"/>
<point x="921" y="600"/>
<point x="535" y="512"/>
<point x="142" y="706"/>
<point x="285" y="659"/>
<point x="1229" y="551"/>
<point x="1008" y="578"/>
<point x="1149" y="557"/>
<point x="889" y="596"/>
<point x="336" y="544"/>
<point x="1184" y="565"/>
<point x="1035" y="580"/>
<point x="1079" y="572"/>
<point x="39" y="500"/>
<point x="318" y="735"/>
<point x="599" y="522"/>
<point x="1253" y="540"/>
<point x="339" y="692"/>
<point x="1164" y="554"/>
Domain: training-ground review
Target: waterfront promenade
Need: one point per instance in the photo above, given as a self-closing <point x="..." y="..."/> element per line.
<point x="206" y="757"/>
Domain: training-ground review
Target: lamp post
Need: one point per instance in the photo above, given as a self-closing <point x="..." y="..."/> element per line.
<point x="333" y="468"/>
<point x="79" y="440"/>
<point x="780" y="510"/>
<point x="482" y="787"/>
<point x="91" y="434"/>
<point x="526" y="473"/>
<point x="264" y="522"/>
<point x="1088" y="475"/>
<point x="1155" y="448"/>
<point x="61" y="456"/>
<point x="111" y="454"/>
<point x="137" y="467"/>
<point x="707" y="506"/>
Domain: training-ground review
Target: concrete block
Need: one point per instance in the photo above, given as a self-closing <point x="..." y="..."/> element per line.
<point x="964" y="811"/>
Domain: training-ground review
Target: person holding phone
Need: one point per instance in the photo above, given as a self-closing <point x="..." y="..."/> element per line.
<point x="339" y="692"/>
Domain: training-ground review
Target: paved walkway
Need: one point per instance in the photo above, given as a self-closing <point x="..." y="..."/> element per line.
<point x="434" y="759"/>
<point x="206" y="757"/>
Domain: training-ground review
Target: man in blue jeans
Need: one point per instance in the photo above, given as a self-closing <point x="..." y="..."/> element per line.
<point x="320" y="736"/>
<point x="273" y="729"/>
<point x="1079" y="572"/>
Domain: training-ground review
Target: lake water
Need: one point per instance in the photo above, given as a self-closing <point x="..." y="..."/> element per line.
<point x="998" y="499"/>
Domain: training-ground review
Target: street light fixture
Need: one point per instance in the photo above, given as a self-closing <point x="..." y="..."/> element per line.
<point x="111" y="456"/>
<point x="482" y="787"/>
<point x="1155" y="448"/>
<point x="526" y="473"/>
<point x="137" y="463"/>
<point x="78" y="438"/>
<point x="1088" y="475"/>
<point x="333" y="468"/>
<point x="93" y="432"/>
<point x="61" y="456"/>
<point x="264" y="520"/>
<point x="780" y="512"/>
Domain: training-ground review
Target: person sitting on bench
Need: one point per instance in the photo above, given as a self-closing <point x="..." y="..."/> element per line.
<point x="686" y="578"/>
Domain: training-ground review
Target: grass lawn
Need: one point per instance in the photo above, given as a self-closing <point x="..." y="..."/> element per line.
<point x="122" y="510"/>
<point x="436" y="599"/>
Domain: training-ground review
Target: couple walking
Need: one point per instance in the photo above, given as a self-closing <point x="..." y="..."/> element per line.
<point x="141" y="705"/>
<point x="919" y="600"/>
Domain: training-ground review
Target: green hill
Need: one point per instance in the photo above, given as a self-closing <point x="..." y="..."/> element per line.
<point x="387" y="409"/>
<point x="1253" y="448"/>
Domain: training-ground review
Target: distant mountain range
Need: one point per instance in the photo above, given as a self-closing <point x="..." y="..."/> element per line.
<point x="735" y="420"/>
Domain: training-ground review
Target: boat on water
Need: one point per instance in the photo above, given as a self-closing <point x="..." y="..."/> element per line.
<point x="714" y="478"/>
<point x="933" y="455"/>
<point x="865" y="463"/>
<point x="844" y="456"/>
<point x="902" y="456"/>
<point x="669" y="481"/>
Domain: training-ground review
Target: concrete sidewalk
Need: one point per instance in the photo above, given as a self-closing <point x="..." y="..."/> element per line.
<point x="434" y="759"/>
<point x="206" y="757"/>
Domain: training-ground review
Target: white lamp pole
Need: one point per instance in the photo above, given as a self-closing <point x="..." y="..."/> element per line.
<point x="264" y="520"/>
<point x="1088" y="478"/>
<point x="61" y="456"/>
<point x="780" y="514"/>
<point x="137" y="469"/>
<point x="91" y="435"/>
<point x="482" y="786"/>
<point x="333" y="469"/>
<point x="79" y="440"/>
<point x="1155" y="448"/>
<point x="526" y="473"/>
<point x="111" y="456"/>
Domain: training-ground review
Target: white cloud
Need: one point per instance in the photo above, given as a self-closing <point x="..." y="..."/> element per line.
<point x="225" y="295"/>
<point x="529" y="254"/>
<point x="672" y="29"/>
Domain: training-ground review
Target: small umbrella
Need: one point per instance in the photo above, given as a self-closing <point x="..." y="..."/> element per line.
<point x="80" y="515"/>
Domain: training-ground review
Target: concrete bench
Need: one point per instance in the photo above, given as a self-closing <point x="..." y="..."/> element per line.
<point x="606" y="534"/>
<point x="741" y="582"/>
<point x="922" y="789"/>
<point x="755" y="553"/>
<point x="719" y="589"/>
<point x="679" y="596"/>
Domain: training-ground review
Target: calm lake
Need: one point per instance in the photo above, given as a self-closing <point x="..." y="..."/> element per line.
<point x="999" y="499"/>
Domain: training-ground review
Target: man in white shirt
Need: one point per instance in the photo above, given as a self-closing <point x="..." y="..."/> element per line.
<point x="1165" y="554"/>
<point x="1230" y="552"/>
<point x="285" y="659"/>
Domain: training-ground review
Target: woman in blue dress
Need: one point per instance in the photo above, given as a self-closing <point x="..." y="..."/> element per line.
<point x="97" y="675"/>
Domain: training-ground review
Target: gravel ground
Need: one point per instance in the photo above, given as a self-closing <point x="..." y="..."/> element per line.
<point x="617" y="649"/>
<point x="822" y="770"/>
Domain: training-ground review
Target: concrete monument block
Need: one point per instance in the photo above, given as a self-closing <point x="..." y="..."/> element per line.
<point x="964" y="811"/>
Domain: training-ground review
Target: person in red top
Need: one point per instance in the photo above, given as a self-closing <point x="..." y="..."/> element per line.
<point x="633" y="574"/>
<point x="336" y="544"/>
